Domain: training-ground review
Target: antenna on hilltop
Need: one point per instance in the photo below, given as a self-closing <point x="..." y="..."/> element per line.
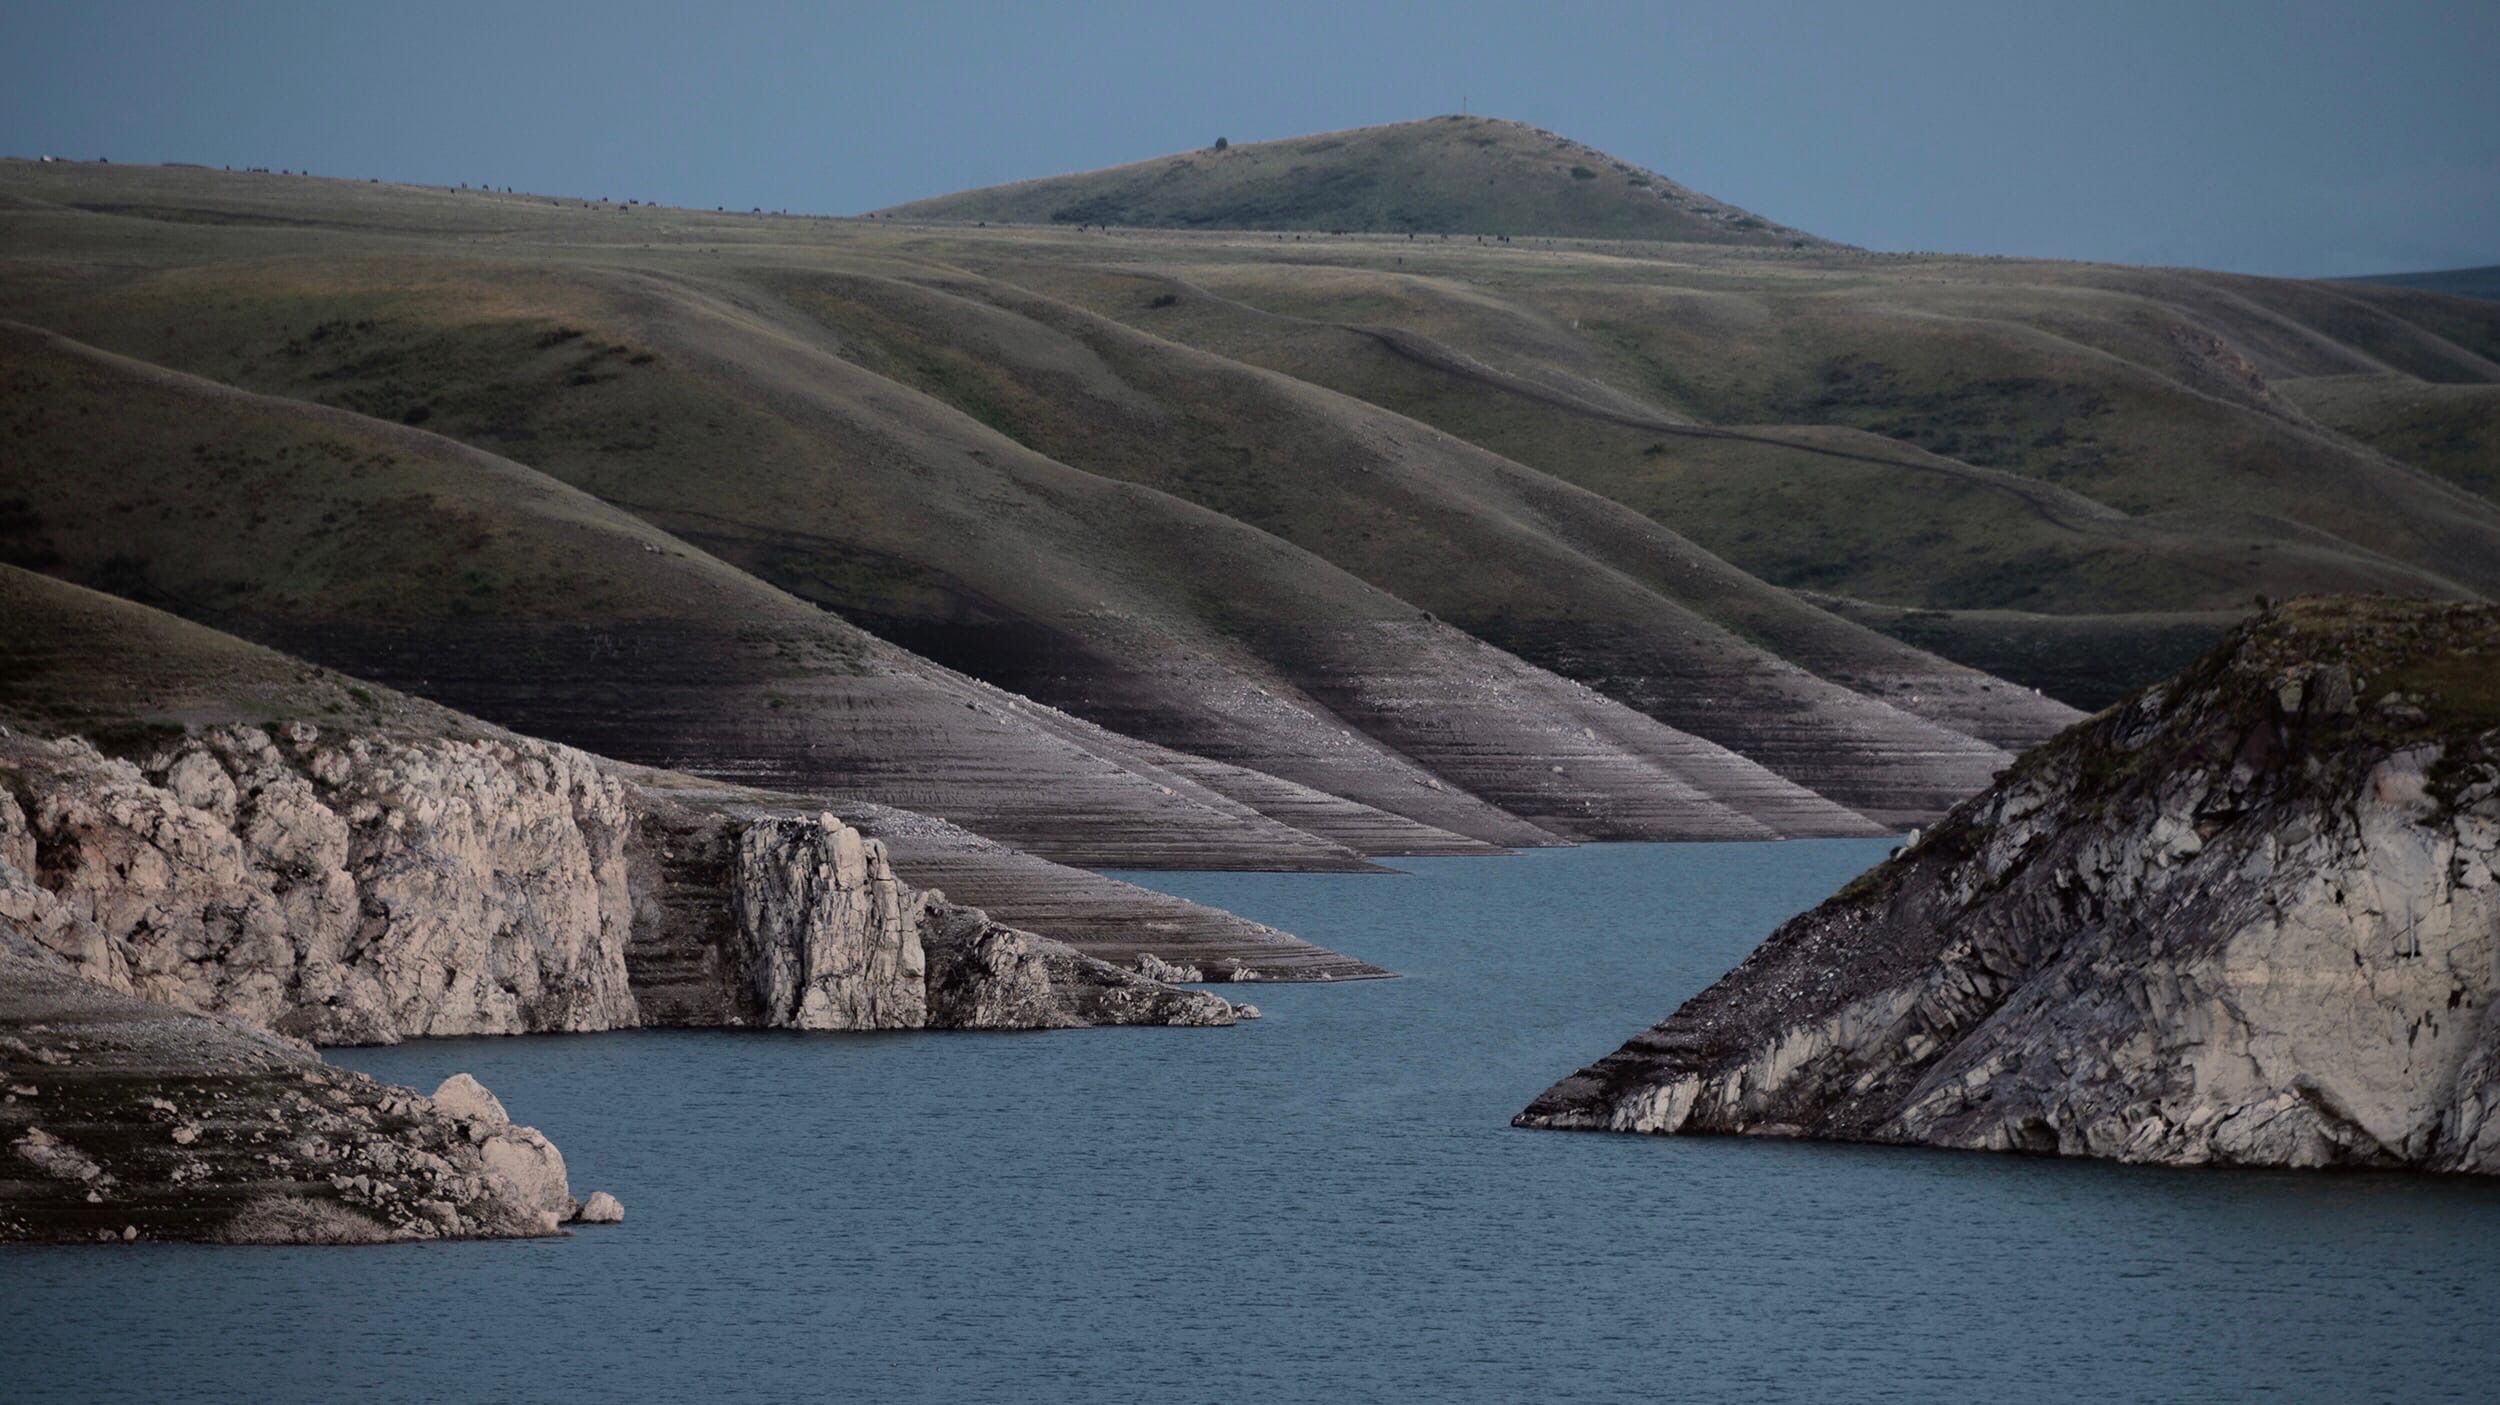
<point x="1462" y="104"/>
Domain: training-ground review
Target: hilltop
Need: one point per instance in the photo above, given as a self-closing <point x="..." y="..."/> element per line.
<point x="1441" y="175"/>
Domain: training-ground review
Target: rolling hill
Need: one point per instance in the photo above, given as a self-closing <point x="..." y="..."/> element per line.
<point x="1202" y="547"/>
<point x="1440" y="176"/>
<point x="710" y="401"/>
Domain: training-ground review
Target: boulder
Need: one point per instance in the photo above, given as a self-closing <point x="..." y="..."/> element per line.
<point x="530" y="1167"/>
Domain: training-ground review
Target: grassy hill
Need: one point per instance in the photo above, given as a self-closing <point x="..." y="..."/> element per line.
<point x="1441" y="176"/>
<point x="1251" y="549"/>
<point x="405" y="557"/>
<point x="1163" y="620"/>
<point x="1962" y="436"/>
<point x="710" y="400"/>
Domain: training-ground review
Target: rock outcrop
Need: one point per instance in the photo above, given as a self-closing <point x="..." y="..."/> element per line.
<point x="2249" y="917"/>
<point x="531" y="1167"/>
<point x="986" y="975"/>
<point x="829" y="937"/>
<point x="357" y="889"/>
<point x="124" y="1119"/>
<point x="216" y="889"/>
<point x="343" y="889"/>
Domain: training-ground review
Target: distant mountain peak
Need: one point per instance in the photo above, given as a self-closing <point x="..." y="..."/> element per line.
<point x="1437" y="175"/>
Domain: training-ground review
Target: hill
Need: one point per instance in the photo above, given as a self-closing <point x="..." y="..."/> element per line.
<point x="1290" y="551"/>
<point x="1443" y="175"/>
<point x="1054" y="573"/>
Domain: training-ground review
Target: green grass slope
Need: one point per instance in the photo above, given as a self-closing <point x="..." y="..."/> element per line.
<point x="1133" y="609"/>
<point x="1570" y="580"/>
<point x="2223" y="476"/>
<point x="1977" y="442"/>
<point x="2450" y="430"/>
<point x="1443" y="175"/>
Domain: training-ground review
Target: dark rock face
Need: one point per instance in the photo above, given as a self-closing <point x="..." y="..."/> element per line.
<point x="2249" y="917"/>
<point x="830" y="939"/>
<point x="984" y="975"/>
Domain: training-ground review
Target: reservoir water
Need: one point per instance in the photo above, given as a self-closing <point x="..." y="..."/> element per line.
<point x="1325" y="1205"/>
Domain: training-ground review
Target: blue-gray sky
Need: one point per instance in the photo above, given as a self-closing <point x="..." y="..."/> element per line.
<point x="2287" y="137"/>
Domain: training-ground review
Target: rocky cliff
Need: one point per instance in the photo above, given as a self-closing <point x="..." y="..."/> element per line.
<point x="2248" y="917"/>
<point x="362" y="888"/>
<point x="342" y="889"/>
<point x="830" y="939"/>
<point x="184" y="905"/>
<point x="126" y="1119"/>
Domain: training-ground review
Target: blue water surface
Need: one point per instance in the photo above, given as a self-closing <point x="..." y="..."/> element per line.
<point x="1325" y="1205"/>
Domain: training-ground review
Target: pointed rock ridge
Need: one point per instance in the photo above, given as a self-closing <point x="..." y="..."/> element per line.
<point x="1441" y="175"/>
<point x="2248" y="917"/>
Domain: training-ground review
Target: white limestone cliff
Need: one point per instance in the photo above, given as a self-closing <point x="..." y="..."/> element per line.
<point x="350" y="889"/>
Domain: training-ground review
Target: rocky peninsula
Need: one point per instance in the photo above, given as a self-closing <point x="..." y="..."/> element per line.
<point x="2248" y="917"/>
<point x="192" y="900"/>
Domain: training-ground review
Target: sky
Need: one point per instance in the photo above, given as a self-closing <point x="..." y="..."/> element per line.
<point x="2289" y="137"/>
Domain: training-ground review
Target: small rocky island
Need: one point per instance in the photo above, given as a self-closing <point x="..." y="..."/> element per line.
<point x="2249" y="917"/>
